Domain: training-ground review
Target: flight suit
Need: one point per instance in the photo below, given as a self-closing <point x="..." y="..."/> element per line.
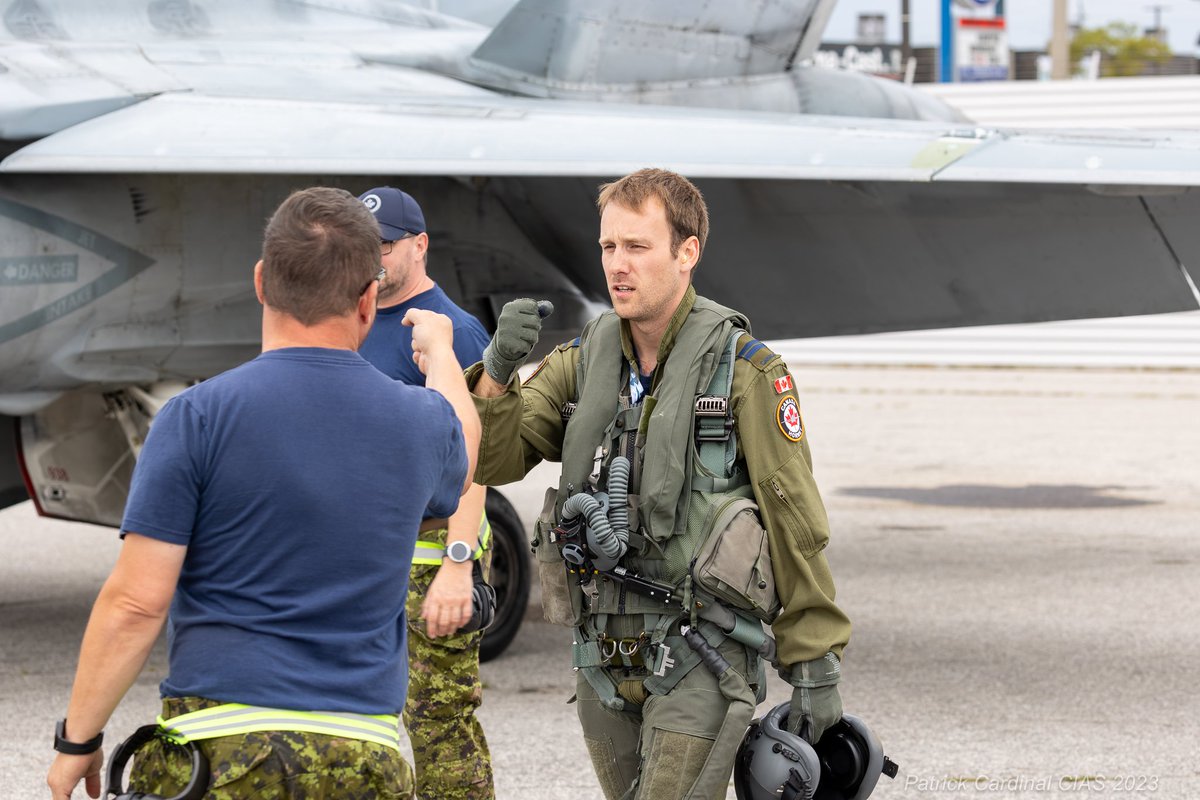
<point x="665" y="741"/>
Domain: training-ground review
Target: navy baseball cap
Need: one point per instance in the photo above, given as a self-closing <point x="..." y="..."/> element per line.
<point x="396" y="211"/>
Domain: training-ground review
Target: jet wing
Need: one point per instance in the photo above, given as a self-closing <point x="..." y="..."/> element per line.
<point x="821" y="226"/>
<point x="188" y="133"/>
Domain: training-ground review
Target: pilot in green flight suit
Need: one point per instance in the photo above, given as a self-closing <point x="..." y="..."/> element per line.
<point x="663" y="709"/>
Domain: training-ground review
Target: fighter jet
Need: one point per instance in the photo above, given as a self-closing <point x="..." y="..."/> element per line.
<point x="145" y="142"/>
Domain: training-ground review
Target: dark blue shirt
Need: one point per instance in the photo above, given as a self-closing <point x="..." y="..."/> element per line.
<point x="389" y="344"/>
<point x="297" y="482"/>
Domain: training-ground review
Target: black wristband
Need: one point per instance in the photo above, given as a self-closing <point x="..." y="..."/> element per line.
<point x="62" y="745"/>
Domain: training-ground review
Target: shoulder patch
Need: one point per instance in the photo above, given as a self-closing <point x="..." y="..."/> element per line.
<point x="568" y="345"/>
<point x="757" y="353"/>
<point x="788" y="417"/>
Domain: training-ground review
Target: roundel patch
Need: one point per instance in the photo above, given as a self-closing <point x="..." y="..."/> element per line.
<point x="789" y="420"/>
<point x="372" y="202"/>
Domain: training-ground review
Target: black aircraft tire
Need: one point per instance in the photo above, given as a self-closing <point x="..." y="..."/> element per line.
<point x="510" y="575"/>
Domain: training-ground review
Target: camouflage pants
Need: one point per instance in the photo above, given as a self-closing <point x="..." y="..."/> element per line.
<point x="450" y="752"/>
<point x="273" y="765"/>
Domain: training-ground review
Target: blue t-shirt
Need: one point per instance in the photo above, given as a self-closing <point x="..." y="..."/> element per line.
<point x="389" y="344"/>
<point x="297" y="481"/>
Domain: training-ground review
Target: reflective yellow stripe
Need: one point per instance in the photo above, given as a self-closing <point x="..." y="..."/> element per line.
<point x="232" y="719"/>
<point x="433" y="553"/>
<point x="428" y="553"/>
<point x="485" y="535"/>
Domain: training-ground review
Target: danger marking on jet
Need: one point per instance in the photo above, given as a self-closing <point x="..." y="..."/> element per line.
<point x="29" y="270"/>
<point x="127" y="264"/>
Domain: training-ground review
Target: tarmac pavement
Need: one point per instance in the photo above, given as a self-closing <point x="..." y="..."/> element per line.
<point x="1019" y="551"/>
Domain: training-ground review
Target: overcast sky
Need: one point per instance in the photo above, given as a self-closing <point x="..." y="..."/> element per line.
<point x="1028" y="21"/>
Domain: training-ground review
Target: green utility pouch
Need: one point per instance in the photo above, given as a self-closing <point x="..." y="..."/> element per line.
<point x="557" y="605"/>
<point x="734" y="562"/>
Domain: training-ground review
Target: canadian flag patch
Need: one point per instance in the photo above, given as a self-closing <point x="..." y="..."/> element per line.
<point x="783" y="384"/>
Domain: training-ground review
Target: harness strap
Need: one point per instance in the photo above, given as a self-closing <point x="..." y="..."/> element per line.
<point x="586" y="655"/>
<point x="588" y="659"/>
<point x="434" y="552"/>
<point x="706" y="483"/>
<point x="716" y="442"/>
<point x="232" y="719"/>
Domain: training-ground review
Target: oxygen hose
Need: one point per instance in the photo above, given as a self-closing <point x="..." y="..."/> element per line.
<point x="604" y="538"/>
<point x="618" y="499"/>
<point x="609" y="539"/>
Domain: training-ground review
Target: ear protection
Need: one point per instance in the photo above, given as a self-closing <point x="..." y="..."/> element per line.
<point x="195" y="789"/>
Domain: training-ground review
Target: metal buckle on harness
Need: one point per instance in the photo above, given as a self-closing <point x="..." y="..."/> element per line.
<point x="710" y="408"/>
<point x="608" y="648"/>
<point x="621" y="652"/>
<point x="568" y="410"/>
<point x="712" y="405"/>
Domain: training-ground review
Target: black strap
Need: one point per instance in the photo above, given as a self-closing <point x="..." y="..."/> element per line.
<point x="64" y="745"/>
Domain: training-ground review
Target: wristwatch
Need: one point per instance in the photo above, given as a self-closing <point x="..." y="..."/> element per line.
<point x="63" y="745"/>
<point x="459" y="552"/>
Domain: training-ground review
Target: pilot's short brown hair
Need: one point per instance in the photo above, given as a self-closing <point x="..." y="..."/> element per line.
<point x="320" y="249"/>
<point x="687" y="215"/>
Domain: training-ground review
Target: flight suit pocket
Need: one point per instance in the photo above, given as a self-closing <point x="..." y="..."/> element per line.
<point x="734" y="563"/>
<point x="557" y="608"/>
<point x="790" y="500"/>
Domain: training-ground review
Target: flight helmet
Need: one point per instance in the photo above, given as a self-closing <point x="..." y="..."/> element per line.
<point x="773" y="764"/>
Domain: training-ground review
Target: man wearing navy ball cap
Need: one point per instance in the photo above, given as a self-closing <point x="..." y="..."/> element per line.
<point x="450" y="752"/>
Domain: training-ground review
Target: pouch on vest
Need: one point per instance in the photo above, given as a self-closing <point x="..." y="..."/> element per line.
<point x="734" y="562"/>
<point x="557" y="605"/>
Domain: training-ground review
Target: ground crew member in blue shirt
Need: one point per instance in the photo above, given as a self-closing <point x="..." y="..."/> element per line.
<point x="273" y="512"/>
<point x="450" y="752"/>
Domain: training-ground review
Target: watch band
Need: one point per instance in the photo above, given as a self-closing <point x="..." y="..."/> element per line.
<point x="64" y="745"/>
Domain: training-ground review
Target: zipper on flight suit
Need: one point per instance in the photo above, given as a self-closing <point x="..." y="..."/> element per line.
<point x="801" y="525"/>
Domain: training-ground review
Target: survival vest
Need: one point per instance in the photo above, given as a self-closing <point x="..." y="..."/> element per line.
<point x="680" y="442"/>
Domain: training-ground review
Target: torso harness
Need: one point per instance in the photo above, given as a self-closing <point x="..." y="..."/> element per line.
<point x="651" y="486"/>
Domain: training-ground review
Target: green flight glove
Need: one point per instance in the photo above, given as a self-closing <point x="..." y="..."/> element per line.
<point x="516" y="334"/>
<point x="816" y="703"/>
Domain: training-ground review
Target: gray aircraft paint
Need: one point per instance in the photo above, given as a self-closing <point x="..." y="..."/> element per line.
<point x="150" y="140"/>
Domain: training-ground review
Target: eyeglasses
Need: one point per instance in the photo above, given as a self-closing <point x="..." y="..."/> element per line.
<point x="379" y="276"/>
<point x="385" y="245"/>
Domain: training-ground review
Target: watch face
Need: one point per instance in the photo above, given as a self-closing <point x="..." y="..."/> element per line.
<point x="459" y="552"/>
